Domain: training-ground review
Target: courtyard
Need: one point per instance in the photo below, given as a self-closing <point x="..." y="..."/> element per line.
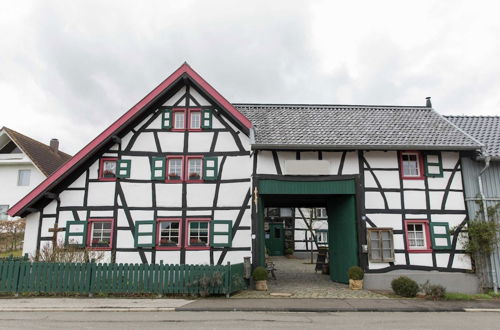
<point x="296" y="278"/>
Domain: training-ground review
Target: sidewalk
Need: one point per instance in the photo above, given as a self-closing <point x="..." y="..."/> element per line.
<point x="253" y="305"/>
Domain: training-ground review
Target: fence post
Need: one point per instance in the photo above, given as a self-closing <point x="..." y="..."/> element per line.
<point x="18" y="269"/>
<point x="90" y="268"/>
<point x="228" y="280"/>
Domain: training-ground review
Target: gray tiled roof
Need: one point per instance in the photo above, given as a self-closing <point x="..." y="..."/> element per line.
<point x="353" y="126"/>
<point x="486" y="129"/>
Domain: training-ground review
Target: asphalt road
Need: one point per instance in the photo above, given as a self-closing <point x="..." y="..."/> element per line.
<point x="247" y="320"/>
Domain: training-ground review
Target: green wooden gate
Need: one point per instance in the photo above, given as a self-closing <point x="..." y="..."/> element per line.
<point x="275" y="243"/>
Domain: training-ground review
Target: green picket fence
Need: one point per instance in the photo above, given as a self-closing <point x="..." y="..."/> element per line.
<point x="22" y="276"/>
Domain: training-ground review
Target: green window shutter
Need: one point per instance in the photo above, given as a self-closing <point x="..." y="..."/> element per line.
<point x="221" y="233"/>
<point x="166" y="119"/>
<point x="440" y="234"/>
<point x="210" y="168"/>
<point x="206" y="118"/>
<point x="433" y="165"/>
<point x="123" y="168"/>
<point x="145" y="234"/>
<point x="158" y="168"/>
<point x="76" y="233"/>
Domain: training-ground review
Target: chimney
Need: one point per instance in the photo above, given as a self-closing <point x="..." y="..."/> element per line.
<point x="54" y="145"/>
<point x="428" y="103"/>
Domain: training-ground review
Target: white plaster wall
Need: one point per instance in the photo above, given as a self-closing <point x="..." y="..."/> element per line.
<point x="236" y="167"/>
<point x="399" y="241"/>
<point x="399" y="259"/>
<point x="388" y="179"/>
<point x="225" y="142"/>
<point x="72" y="197"/>
<point x="137" y="194"/>
<point x="265" y="163"/>
<point x="351" y="164"/>
<point x="30" y="233"/>
<point x="47" y="223"/>
<point x="242" y="238"/>
<point x="145" y="142"/>
<point x="198" y="257"/>
<point x="386" y="220"/>
<point x="442" y="259"/>
<point x="169" y="195"/>
<point x="180" y="93"/>
<point x="374" y="200"/>
<point x="80" y="182"/>
<point x="200" y="141"/>
<point x="393" y="200"/>
<point x="334" y="159"/>
<point x="309" y="155"/>
<point x="382" y="159"/>
<point x="449" y="159"/>
<point x="200" y="99"/>
<point x="455" y="201"/>
<point x="200" y="195"/>
<point x="284" y="156"/>
<point x="10" y="192"/>
<point x="462" y="261"/>
<point x="156" y="123"/>
<point x="436" y="198"/>
<point x="168" y="257"/>
<point x="421" y="259"/>
<point x="232" y="194"/>
<point x="101" y="194"/>
<point x="140" y="168"/>
<point x="414" y="200"/>
<point x="171" y="141"/>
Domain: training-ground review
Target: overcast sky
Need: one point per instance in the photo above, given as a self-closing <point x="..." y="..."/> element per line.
<point x="68" y="69"/>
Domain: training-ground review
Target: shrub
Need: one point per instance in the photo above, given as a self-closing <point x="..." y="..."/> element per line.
<point x="404" y="286"/>
<point x="355" y="273"/>
<point x="259" y="274"/>
<point x="433" y="291"/>
<point x="289" y="251"/>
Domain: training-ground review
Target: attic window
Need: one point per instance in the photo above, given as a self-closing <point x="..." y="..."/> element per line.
<point x="107" y="169"/>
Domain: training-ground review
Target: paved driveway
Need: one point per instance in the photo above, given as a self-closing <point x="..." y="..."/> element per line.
<point x="297" y="277"/>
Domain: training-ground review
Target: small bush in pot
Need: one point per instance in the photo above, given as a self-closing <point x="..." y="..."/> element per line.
<point x="289" y="252"/>
<point x="356" y="275"/>
<point x="259" y="275"/>
<point x="405" y="287"/>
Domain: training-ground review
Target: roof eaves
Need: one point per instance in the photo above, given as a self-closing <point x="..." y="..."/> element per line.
<point x="11" y="136"/>
<point x="358" y="147"/>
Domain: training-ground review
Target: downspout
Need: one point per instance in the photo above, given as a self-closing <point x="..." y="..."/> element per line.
<point x="485" y="214"/>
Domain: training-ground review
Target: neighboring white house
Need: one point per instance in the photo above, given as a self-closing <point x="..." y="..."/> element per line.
<point x="24" y="163"/>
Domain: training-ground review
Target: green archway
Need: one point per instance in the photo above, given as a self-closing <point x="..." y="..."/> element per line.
<point x="339" y="197"/>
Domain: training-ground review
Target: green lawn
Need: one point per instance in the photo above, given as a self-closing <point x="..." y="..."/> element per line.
<point x="16" y="253"/>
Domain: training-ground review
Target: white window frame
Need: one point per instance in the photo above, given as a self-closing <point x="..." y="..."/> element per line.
<point x="423" y="238"/>
<point x="179" y="114"/>
<point x="170" y="230"/>
<point x="190" y="170"/>
<point x="194" y="114"/>
<point x="20" y="183"/>
<point x="101" y="232"/>
<point x="418" y="161"/>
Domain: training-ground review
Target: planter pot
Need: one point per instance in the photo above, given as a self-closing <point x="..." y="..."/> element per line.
<point x="325" y="269"/>
<point x="355" y="284"/>
<point x="261" y="285"/>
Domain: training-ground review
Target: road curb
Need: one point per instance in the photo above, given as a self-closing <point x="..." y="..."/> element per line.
<point x="318" y="310"/>
<point x="91" y="309"/>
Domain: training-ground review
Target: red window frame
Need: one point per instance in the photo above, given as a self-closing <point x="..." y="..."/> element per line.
<point x="190" y="111"/>
<point x="158" y="233"/>
<point x="167" y="167"/>
<point x="90" y="224"/>
<point x="427" y="233"/>
<point x="187" y="119"/>
<point x="187" y="246"/>
<point x="420" y="162"/>
<point x="101" y="168"/>
<point x="186" y="168"/>
<point x="183" y="110"/>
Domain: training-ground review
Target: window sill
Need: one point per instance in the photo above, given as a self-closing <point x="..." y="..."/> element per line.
<point x="107" y="179"/>
<point x="194" y="247"/>
<point x="96" y="248"/>
<point x="168" y="248"/>
<point x="412" y="178"/>
<point x="420" y="251"/>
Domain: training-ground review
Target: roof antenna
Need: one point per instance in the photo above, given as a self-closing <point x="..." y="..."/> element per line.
<point x="428" y="103"/>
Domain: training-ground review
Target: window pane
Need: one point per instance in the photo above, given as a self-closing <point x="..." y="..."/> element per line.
<point x="179" y="120"/>
<point x="410" y="165"/>
<point x="194" y="168"/>
<point x="3" y="212"/>
<point x="198" y="233"/>
<point x="109" y="169"/>
<point x="169" y="233"/>
<point x="375" y="254"/>
<point x="174" y="169"/>
<point x="195" y="119"/>
<point x="23" y="178"/>
<point x="101" y="234"/>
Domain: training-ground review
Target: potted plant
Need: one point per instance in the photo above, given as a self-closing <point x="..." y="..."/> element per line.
<point x="259" y="275"/>
<point x="173" y="176"/>
<point x="289" y="253"/>
<point x="194" y="176"/>
<point x="356" y="275"/>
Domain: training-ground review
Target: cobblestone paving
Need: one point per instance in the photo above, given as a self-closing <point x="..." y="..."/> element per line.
<point x="297" y="277"/>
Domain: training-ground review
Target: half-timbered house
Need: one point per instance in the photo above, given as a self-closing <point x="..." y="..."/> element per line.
<point x="185" y="176"/>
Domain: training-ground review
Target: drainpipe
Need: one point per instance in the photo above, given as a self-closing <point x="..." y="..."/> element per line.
<point x="485" y="213"/>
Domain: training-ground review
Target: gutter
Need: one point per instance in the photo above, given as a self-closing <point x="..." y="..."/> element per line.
<point x="485" y="214"/>
<point x="359" y="147"/>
